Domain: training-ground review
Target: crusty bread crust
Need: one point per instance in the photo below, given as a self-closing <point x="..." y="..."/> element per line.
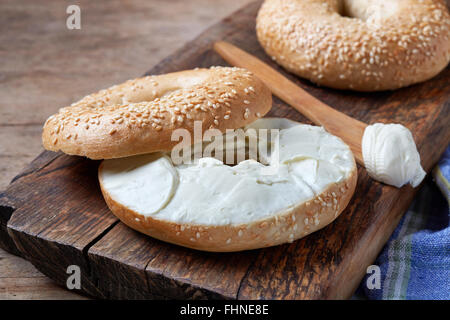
<point x="305" y="218"/>
<point x="375" y="50"/>
<point x="139" y="116"/>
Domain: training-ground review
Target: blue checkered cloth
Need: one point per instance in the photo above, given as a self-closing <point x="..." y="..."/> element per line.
<point x="415" y="262"/>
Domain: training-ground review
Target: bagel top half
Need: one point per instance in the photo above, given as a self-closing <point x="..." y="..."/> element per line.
<point x="363" y="45"/>
<point x="139" y="116"/>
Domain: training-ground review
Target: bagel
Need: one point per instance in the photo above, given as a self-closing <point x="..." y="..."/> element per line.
<point x="207" y="205"/>
<point x="139" y="116"/>
<point x="363" y="45"/>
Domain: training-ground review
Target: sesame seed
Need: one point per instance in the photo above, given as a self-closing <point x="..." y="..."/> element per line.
<point x="246" y="113"/>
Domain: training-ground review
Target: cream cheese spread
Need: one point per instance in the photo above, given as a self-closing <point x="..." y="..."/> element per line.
<point x="391" y="156"/>
<point x="210" y="192"/>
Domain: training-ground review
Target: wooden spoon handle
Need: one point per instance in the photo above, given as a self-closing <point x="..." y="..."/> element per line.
<point x="348" y="129"/>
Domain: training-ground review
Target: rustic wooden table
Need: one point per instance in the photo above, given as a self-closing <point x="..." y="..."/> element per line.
<point x="45" y="66"/>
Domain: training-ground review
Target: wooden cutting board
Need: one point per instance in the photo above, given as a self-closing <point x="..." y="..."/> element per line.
<point x="53" y="213"/>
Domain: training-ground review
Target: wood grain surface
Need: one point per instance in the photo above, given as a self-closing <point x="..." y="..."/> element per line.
<point x="55" y="215"/>
<point x="45" y="66"/>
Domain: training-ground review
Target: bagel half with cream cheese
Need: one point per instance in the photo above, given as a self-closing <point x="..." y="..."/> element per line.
<point x="208" y="205"/>
<point x="363" y="45"/>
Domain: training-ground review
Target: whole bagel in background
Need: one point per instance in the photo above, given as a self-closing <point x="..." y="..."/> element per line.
<point x="363" y="45"/>
<point x="139" y="116"/>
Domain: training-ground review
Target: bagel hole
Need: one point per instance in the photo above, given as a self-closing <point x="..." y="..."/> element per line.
<point x="370" y="10"/>
<point x="346" y="11"/>
<point x="234" y="152"/>
<point x="234" y="149"/>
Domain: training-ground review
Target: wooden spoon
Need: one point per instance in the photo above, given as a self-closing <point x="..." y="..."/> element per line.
<point x="348" y="129"/>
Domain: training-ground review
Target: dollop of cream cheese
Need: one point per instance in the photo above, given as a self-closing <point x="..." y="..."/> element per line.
<point x="390" y="155"/>
<point x="210" y="192"/>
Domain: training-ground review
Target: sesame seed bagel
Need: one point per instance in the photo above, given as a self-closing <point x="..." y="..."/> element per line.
<point x="210" y="206"/>
<point x="139" y="116"/>
<point x="363" y="45"/>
